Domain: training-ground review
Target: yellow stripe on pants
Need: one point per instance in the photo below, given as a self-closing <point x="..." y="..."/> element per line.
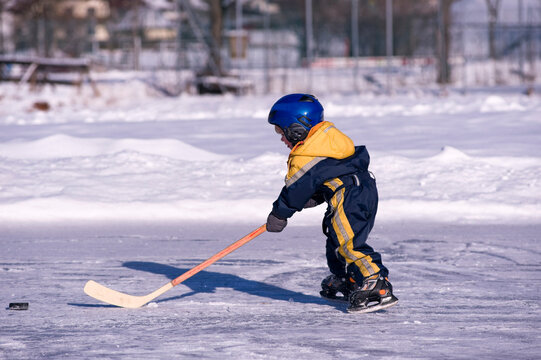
<point x="345" y="234"/>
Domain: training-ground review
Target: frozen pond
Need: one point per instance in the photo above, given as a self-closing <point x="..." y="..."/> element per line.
<point x="466" y="292"/>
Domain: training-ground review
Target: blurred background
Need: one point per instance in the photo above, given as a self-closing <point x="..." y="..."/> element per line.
<point x="274" y="46"/>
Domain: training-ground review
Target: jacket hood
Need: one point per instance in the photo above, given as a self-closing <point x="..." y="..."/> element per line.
<point x="325" y="140"/>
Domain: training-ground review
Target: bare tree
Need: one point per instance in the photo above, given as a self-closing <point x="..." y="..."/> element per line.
<point x="216" y="20"/>
<point x="444" y="41"/>
<point x="36" y="13"/>
<point x="1" y="26"/>
<point x="493" y="7"/>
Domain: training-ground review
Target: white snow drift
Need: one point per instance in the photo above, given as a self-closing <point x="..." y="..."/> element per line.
<point x="460" y="158"/>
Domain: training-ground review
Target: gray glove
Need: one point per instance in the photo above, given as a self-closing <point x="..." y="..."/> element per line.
<point x="275" y="224"/>
<point x="311" y="203"/>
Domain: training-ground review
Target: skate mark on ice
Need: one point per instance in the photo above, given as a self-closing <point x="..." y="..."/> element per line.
<point x="420" y="241"/>
<point x="497" y="256"/>
<point x="93" y="305"/>
<point x="514" y="255"/>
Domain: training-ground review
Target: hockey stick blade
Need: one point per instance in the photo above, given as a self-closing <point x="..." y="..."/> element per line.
<point x="113" y="297"/>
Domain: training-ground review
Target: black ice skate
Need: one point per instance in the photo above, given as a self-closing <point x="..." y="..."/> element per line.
<point x="375" y="293"/>
<point x="336" y="288"/>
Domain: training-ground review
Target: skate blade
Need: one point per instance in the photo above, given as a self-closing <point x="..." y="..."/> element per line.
<point x="382" y="306"/>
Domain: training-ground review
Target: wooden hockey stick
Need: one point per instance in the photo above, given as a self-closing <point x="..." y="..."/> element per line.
<point x="117" y="298"/>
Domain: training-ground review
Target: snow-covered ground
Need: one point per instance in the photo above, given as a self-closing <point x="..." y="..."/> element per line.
<point x="130" y="156"/>
<point x="131" y="189"/>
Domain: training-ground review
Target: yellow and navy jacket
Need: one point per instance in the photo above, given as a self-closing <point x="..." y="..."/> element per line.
<point x="324" y="155"/>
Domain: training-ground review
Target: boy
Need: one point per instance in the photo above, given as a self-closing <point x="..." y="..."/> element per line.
<point x="324" y="165"/>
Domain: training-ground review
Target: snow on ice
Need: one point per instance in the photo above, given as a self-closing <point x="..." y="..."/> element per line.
<point x="132" y="189"/>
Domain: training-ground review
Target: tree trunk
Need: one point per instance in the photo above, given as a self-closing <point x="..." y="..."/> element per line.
<point x="216" y="30"/>
<point x="493" y="7"/>
<point x="444" y="40"/>
<point x="1" y="27"/>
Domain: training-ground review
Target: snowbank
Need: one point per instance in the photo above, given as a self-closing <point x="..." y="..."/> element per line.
<point x="62" y="178"/>
<point x="132" y="156"/>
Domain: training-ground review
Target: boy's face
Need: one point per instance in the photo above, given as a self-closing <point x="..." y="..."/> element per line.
<point x="284" y="140"/>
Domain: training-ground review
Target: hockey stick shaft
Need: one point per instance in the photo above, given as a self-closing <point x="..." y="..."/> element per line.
<point x="117" y="298"/>
<point x="237" y="244"/>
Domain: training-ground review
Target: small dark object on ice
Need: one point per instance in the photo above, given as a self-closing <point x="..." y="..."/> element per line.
<point x="42" y="106"/>
<point x="18" y="306"/>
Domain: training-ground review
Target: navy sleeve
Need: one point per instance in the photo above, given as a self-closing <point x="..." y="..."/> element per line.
<point x="294" y="197"/>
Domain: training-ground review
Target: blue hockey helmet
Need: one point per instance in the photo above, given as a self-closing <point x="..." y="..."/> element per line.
<point x="296" y="114"/>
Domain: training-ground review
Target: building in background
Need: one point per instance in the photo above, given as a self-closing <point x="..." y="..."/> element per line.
<point x="482" y="42"/>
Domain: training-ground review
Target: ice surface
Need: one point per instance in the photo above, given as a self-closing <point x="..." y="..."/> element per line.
<point x="466" y="292"/>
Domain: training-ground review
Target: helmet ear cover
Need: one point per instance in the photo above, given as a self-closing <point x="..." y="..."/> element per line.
<point x="295" y="133"/>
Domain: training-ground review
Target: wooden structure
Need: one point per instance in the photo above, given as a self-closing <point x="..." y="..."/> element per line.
<point x="38" y="70"/>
